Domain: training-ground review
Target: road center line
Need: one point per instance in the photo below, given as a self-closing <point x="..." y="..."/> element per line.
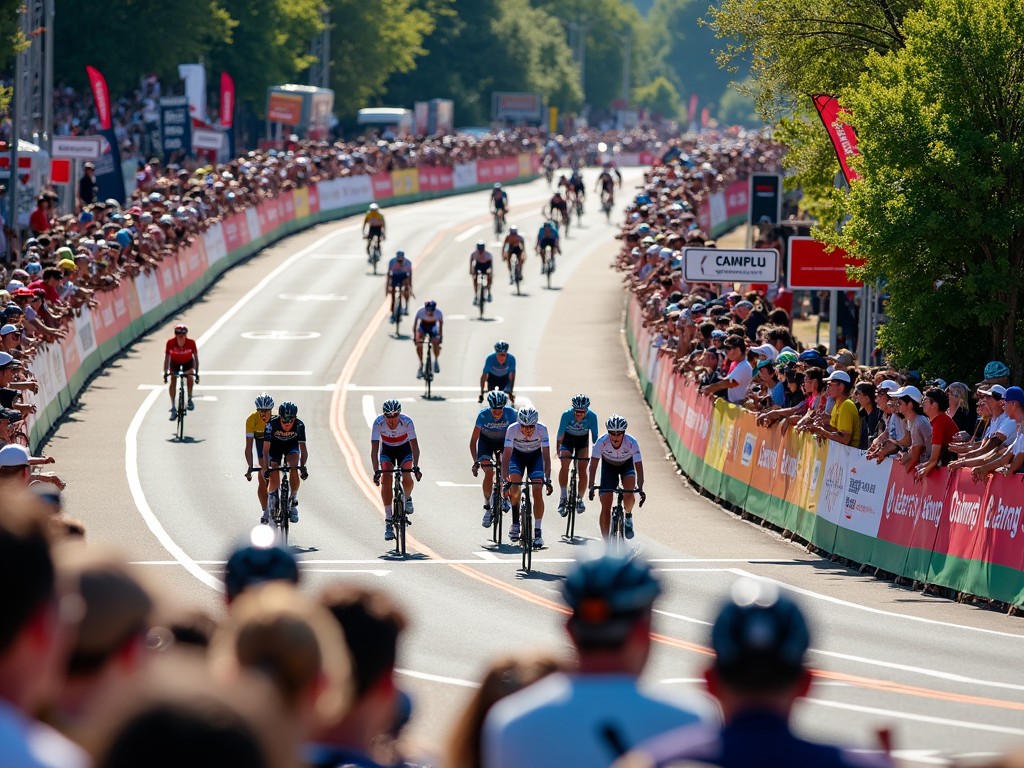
<point x="468" y="233"/>
<point x="205" y="372"/>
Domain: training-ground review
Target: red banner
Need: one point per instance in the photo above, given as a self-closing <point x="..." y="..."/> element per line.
<point x="314" y="199"/>
<point x="381" y="185"/>
<point x="227" y="101"/>
<point x="691" y="113"/>
<point x="435" y="179"/>
<point x="100" y="95"/>
<point x="844" y="139"/>
<point x="236" y="231"/>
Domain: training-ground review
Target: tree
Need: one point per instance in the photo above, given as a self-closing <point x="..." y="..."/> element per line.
<point x="660" y="97"/>
<point x="275" y="33"/>
<point x="737" y="108"/>
<point x="939" y="212"/>
<point x="135" y="37"/>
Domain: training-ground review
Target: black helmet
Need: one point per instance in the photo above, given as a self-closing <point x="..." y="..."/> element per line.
<point x="607" y="594"/>
<point x="250" y="565"/>
<point x="288" y="410"/>
<point x="760" y="638"/>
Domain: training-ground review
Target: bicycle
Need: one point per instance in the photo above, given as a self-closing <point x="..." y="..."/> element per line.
<point x="398" y="517"/>
<point x="616" y="530"/>
<point x="428" y="364"/>
<point x="280" y="518"/>
<point x="481" y="291"/>
<point x="396" y="313"/>
<point x="606" y="207"/>
<point x="572" y="498"/>
<point x="496" y="499"/>
<point x="375" y="253"/>
<point x="579" y="213"/>
<point x="526" y="519"/>
<point x="499" y="221"/>
<point x="516" y="267"/>
<point x="547" y="255"/>
<point x="182" y="399"/>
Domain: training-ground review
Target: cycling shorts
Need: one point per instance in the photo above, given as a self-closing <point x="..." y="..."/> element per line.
<point x="548" y="242"/>
<point x="428" y="329"/>
<point x="575" y="444"/>
<point x="612" y="474"/>
<point x="486" y="447"/>
<point x="376" y="230"/>
<point x="184" y="367"/>
<point x="398" y="280"/>
<point x="279" y="450"/>
<point x="396" y="455"/>
<point x="516" y="249"/>
<point x="499" y="205"/>
<point x="526" y="464"/>
<point x="500" y="382"/>
<point x="482" y="268"/>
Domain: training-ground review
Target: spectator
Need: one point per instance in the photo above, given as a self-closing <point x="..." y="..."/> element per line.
<point x="760" y="639"/>
<point x="919" y="430"/>
<point x="960" y="409"/>
<point x="844" y="421"/>
<point x="592" y="716"/>
<point x="14" y="468"/>
<point x="996" y="374"/>
<point x="254" y="564"/>
<point x="1010" y="461"/>
<point x="737" y="381"/>
<point x="943" y="428"/>
<point x="88" y="187"/>
<point x="865" y="395"/>
<point x="40" y="220"/>
<point x="999" y="432"/>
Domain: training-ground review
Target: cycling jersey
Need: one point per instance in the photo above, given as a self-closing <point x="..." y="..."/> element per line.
<point x="374" y="219"/>
<point x="607" y="182"/>
<point x="255" y="426"/>
<point x="181" y="355"/>
<point x="517" y="441"/>
<point x="395" y="270"/>
<point x="547" y="234"/>
<point x="427" y="320"/>
<point x="500" y="199"/>
<point x="482" y="261"/>
<point x="514" y="244"/>
<point x="401" y="433"/>
<point x="493" y="368"/>
<point x="493" y="428"/>
<point x="281" y="440"/>
<point x="568" y="425"/>
<point x="628" y="451"/>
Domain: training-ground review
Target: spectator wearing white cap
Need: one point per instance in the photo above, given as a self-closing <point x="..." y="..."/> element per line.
<point x="944" y="429"/>
<point x="889" y="440"/>
<point x="919" y="428"/>
<point x="14" y="465"/>
<point x="844" y="422"/>
<point x="999" y="433"/>
<point x="1010" y="460"/>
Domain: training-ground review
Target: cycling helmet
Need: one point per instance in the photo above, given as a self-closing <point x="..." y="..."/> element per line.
<point x="251" y="565"/>
<point x="580" y="403"/>
<point x="760" y="638"/>
<point x="288" y="410"/>
<point x="264" y="402"/>
<point x="616" y="423"/>
<point x="374" y="207"/>
<point x="497" y="399"/>
<point x="181" y="327"/>
<point x="430" y="305"/>
<point x="528" y="417"/>
<point x="391" y="408"/>
<point x="481" y="245"/>
<point x="399" y="254"/>
<point x="497" y="185"/>
<point x="513" y="229"/>
<point x="607" y="594"/>
<point x="501" y="346"/>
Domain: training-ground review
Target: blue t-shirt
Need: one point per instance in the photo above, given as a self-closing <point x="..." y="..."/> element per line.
<point x="779" y="393"/>
<point x="494" y="368"/>
<point x="569" y="426"/>
<point x="494" y="429"/>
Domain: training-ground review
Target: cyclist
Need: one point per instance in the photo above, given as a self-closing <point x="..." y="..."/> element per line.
<point x="499" y="199"/>
<point x="575" y="429"/>
<point x="373" y="227"/>
<point x="255" y="427"/>
<point x="181" y="352"/>
<point x="514" y="244"/>
<point x="606" y="184"/>
<point x="547" y="237"/>
<point x="563" y="183"/>
<point x="527" y="451"/>
<point x="284" y="439"/>
<point x="499" y="372"/>
<point x="399" y="276"/>
<point x="393" y="445"/>
<point x="489" y="436"/>
<point x="619" y="457"/>
<point x="481" y="262"/>
<point x="577" y="189"/>
<point x="429" y="322"/>
<point x="558" y="205"/>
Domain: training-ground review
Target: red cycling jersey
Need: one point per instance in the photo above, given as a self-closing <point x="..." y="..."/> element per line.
<point x="181" y="355"/>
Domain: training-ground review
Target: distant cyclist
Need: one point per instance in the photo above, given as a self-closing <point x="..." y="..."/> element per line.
<point x="514" y="244"/>
<point x="428" y="323"/>
<point x="489" y="437"/>
<point x="481" y="262"/>
<point x="393" y="444"/>
<point x="400" y="277"/>
<point x="284" y="441"/>
<point x="619" y="457"/>
<point x="558" y="205"/>
<point x="373" y="228"/>
<point x="576" y="428"/>
<point x="181" y="352"/>
<point x="578" y="190"/>
<point x="499" y="372"/>
<point x="527" y="452"/>
<point x="255" y="428"/>
<point x="606" y="184"/>
<point x="499" y="199"/>
<point x="547" y="237"/>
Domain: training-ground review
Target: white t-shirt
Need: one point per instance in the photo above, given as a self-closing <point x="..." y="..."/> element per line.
<point x="567" y="720"/>
<point x="514" y="438"/>
<point x="1005" y="426"/>
<point x="742" y="374"/>
<point x="422" y="316"/>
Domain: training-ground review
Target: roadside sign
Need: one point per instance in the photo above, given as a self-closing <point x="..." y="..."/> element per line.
<point x="719" y="265"/>
<point x="204" y="138"/>
<point x="765" y="198"/>
<point x="77" y="147"/>
<point x="810" y="268"/>
<point x="60" y="171"/>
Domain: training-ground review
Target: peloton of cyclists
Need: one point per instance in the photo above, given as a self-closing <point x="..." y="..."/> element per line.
<point x="428" y="323"/>
<point x="255" y="429"/>
<point x="514" y="244"/>
<point x="487" y="439"/>
<point x="481" y="262"/>
<point x="527" y="452"/>
<point x="399" y="277"/>
<point x="499" y="372"/>
<point x="547" y="237"/>
<point x="576" y="428"/>
<point x="284" y="440"/>
<point x="373" y="228"/>
<point x="393" y="445"/>
<point x="619" y="457"/>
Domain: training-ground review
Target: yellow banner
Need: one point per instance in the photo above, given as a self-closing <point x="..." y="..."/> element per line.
<point x="301" y="199"/>
<point x="405" y="182"/>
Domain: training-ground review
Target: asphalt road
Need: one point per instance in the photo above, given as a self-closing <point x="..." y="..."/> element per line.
<point x="305" y="321"/>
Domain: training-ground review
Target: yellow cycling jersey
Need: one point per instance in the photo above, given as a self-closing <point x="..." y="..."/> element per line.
<point x="254" y="425"/>
<point x="374" y="218"/>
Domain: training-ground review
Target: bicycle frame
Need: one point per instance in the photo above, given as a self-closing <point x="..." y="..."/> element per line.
<point x="481" y="290"/>
<point x="280" y="519"/>
<point x="572" y="496"/>
<point x="182" y="378"/>
<point x="615" y="529"/>
<point x="396" y="314"/>
<point x="526" y="519"/>
<point x="428" y="363"/>
<point x="398" y="516"/>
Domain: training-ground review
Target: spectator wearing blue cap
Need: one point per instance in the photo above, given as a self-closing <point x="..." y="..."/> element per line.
<point x="996" y="373"/>
<point x="1009" y="461"/>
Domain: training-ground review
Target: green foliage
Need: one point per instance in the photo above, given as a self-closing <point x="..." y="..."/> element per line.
<point x="737" y="108"/>
<point x="939" y="213"/>
<point x="660" y="97"/>
<point x="9" y="33"/>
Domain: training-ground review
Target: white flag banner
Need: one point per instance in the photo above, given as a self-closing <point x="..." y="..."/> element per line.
<point x="194" y="76"/>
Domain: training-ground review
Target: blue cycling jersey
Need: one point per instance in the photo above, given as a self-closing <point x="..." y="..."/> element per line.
<point x="493" y="428"/>
<point x="547" y="233"/>
<point x="569" y="426"/>
<point x="494" y="368"/>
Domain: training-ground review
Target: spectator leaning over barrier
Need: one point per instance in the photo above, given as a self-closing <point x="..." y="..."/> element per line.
<point x="918" y="427"/>
<point x="738" y="379"/>
<point x="1011" y="461"/>
<point x="844" y="422"/>
<point x="889" y="440"/>
<point x="935" y="404"/>
<point x="999" y="433"/>
<point x="865" y="395"/>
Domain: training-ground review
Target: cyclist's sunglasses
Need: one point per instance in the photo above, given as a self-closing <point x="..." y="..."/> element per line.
<point x="617" y="433"/>
<point x="579" y="410"/>
<point x="264" y="411"/>
<point x="287" y="421"/>
<point x="180" y="333"/>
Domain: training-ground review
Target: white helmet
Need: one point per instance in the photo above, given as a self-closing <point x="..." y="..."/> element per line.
<point x="528" y="417"/>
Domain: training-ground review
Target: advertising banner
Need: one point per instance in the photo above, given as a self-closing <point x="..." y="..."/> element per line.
<point x="175" y="126"/>
<point x="765" y="198"/>
<point x="381" y="186"/>
<point x="840" y="133"/>
<point x="405" y="182"/>
<point x="464" y="175"/>
<point x="809" y="267"/>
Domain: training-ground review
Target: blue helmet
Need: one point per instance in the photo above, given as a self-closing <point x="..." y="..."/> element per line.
<point x="501" y="346"/>
<point x="497" y="399"/>
<point x="264" y="402"/>
<point x="580" y="403"/>
<point x="288" y="410"/>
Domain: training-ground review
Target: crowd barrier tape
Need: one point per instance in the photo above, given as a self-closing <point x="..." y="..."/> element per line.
<point x="139" y="304"/>
<point x="948" y="530"/>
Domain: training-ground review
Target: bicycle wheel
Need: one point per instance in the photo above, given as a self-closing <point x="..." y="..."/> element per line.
<point x="570" y="500"/>
<point x="548" y="270"/>
<point x="181" y="409"/>
<point x="481" y="295"/>
<point x="428" y="371"/>
<point x="375" y="255"/>
<point x="398" y="515"/>
<point x="526" y="521"/>
<point x="397" y="316"/>
<point x="496" y="512"/>
<point x="284" y="508"/>
<point x="517" y="275"/>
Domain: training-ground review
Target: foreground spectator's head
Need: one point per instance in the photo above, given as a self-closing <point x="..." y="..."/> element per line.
<point x="839" y="384"/>
<point x="1013" y="403"/>
<point x="256" y="563"/>
<point x="14" y="468"/>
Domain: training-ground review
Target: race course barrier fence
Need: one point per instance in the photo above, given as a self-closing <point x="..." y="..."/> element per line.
<point x="947" y="531"/>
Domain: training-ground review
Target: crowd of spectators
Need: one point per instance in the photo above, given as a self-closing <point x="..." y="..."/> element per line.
<point x="740" y="345"/>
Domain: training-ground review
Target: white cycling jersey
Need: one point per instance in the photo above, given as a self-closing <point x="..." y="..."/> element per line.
<point x="515" y="439"/>
<point x="482" y="258"/>
<point x="626" y="451"/>
<point x="403" y="432"/>
<point x="428" y="317"/>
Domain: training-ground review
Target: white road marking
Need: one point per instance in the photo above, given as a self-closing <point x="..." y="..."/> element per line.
<point x="414" y="388"/>
<point x="249" y="387"/>
<point x="887" y="713"/>
<point x="680" y="617"/>
<point x="374" y="571"/>
<point x="449" y="484"/>
<point x="437" y="678"/>
<point x="369" y="410"/>
<point x="868" y="609"/>
<point x="457" y="317"/>
<point x="767" y="560"/>
<point x="280" y="335"/>
<point x="338" y="256"/>
<point x="206" y="398"/>
<point x="488" y="556"/>
<point x="312" y="297"/>
<point x="474" y="561"/>
<point x="469" y="233"/>
<point x="694" y="570"/>
<point x="255" y="373"/>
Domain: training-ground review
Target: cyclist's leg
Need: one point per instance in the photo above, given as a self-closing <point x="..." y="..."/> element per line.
<point x="563" y="472"/>
<point x="490" y="278"/>
<point x="261" y="484"/>
<point x="386" y="493"/>
<point x="537" y="474"/>
<point x="408" y="481"/>
<point x="418" y="341"/>
<point x="583" y="459"/>
<point x="293" y="473"/>
<point x="515" y="475"/>
<point x="170" y="390"/>
<point x="435" y="341"/>
<point x="607" y="484"/>
<point x="405" y="292"/>
<point x="629" y="483"/>
<point x="189" y="381"/>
